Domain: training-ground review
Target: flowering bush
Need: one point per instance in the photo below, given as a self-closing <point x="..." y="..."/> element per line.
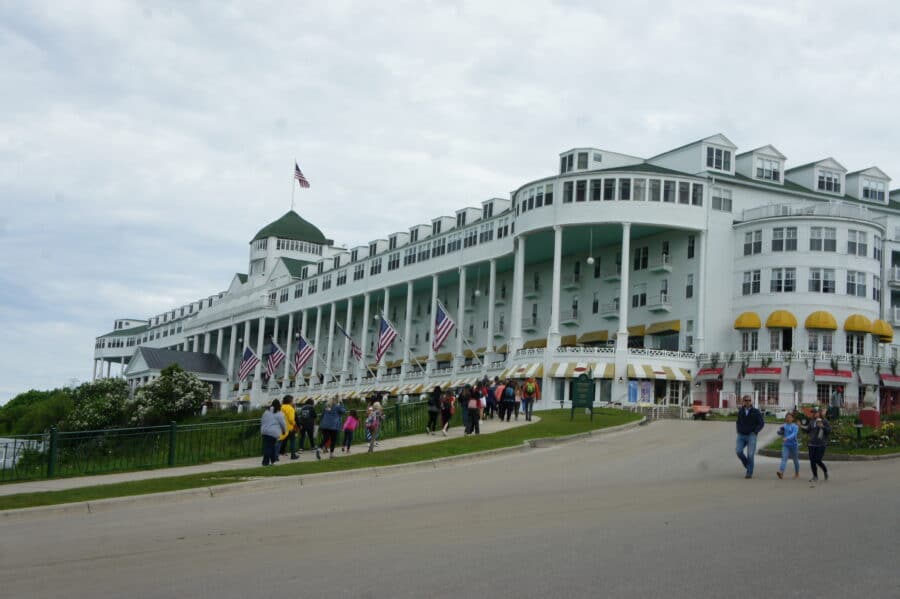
<point x="172" y="396"/>
<point x="96" y="405"/>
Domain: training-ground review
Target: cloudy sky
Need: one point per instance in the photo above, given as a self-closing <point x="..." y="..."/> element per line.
<point x="142" y="144"/>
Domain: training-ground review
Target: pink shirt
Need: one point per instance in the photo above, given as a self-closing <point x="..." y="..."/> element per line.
<point x="351" y="423"/>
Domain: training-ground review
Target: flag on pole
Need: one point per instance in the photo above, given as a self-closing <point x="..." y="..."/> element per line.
<point x="298" y="175"/>
<point x="248" y="363"/>
<point x="355" y="350"/>
<point x="443" y="325"/>
<point x="386" y="335"/>
<point x="275" y="360"/>
<point x="304" y="352"/>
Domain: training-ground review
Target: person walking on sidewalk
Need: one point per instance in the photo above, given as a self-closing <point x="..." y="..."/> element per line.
<point x="818" y="429"/>
<point x="373" y="425"/>
<point x="271" y="426"/>
<point x="473" y="402"/>
<point x="448" y="408"/>
<point x="789" y="446"/>
<point x="329" y="425"/>
<point x="508" y="400"/>
<point x="307" y="422"/>
<point x="434" y="410"/>
<point x="349" y="429"/>
<point x="749" y="423"/>
<point x="289" y="437"/>
<point x="531" y="392"/>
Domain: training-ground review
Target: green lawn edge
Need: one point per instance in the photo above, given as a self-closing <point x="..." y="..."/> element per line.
<point x="835" y="450"/>
<point x="553" y="423"/>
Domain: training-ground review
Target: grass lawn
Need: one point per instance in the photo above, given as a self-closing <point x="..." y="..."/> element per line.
<point x="553" y="423"/>
<point x="839" y="449"/>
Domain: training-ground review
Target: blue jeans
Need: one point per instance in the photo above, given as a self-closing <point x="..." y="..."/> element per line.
<point x="791" y="452"/>
<point x="748" y="441"/>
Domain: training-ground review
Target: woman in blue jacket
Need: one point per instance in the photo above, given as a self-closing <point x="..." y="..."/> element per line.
<point x="272" y="425"/>
<point x="329" y="425"/>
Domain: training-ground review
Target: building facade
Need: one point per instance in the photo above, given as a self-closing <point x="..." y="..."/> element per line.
<point x="696" y="274"/>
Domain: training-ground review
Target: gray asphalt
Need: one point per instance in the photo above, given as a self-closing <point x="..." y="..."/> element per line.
<point x="660" y="511"/>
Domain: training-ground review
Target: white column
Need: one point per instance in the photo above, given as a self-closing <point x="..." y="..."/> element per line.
<point x="700" y="328"/>
<point x="231" y="342"/>
<point x="285" y="378"/>
<point x="364" y="338"/>
<point x="328" y="371"/>
<point x="220" y="340"/>
<point x="348" y="326"/>
<point x="460" y="320"/>
<point x="620" y="385"/>
<point x="515" y="340"/>
<point x="122" y="366"/>
<point x="407" y="328"/>
<point x="206" y="341"/>
<point x="434" y="298"/>
<point x="387" y="305"/>
<point x="299" y="375"/>
<point x="109" y="369"/>
<point x="553" y="333"/>
<point x="257" y="372"/>
<point x="94" y="375"/>
<point x="313" y="378"/>
<point x="492" y="292"/>
<point x="275" y="339"/>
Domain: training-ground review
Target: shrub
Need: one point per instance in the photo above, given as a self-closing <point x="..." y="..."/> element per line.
<point x="174" y="395"/>
<point x="99" y="404"/>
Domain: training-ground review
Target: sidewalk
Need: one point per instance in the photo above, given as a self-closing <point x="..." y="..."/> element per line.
<point x="61" y="484"/>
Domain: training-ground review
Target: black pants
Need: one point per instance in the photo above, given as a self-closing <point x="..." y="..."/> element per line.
<point x="507" y="407"/>
<point x="473" y="425"/>
<point x="432" y="421"/>
<point x="348" y="439"/>
<point x="329" y="439"/>
<point x="269" y="455"/>
<point x="291" y="440"/>
<point x="306" y="432"/>
<point x="815" y="459"/>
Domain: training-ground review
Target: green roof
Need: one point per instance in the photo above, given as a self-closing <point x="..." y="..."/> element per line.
<point x="294" y="266"/>
<point x="126" y="332"/>
<point x="292" y="226"/>
<point x="241" y="277"/>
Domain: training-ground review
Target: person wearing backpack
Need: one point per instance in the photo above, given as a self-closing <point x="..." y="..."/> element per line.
<point x="530" y="392"/>
<point x="448" y="408"/>
<point x="329" y="426"/>
<point x="307" y="423"/>
<point x="473" y="403"/>
<point x="434" y="409"/>
<point x="508" y="403"/>
<point x="491" y="398"/>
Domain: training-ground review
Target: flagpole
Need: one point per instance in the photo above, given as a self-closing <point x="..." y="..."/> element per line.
<point x="459" y="332"/>
<point x="293" y="176"/>
<point x="419" y="364"/>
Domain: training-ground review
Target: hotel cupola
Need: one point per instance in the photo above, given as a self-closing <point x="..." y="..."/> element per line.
<point x="290" y="237"/>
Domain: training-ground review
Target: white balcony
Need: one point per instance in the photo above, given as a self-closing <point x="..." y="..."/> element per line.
<point x="499" y="330"/>
<point x="895" y="315"/>
<point x="610" y="310"/>
<point x="612" y="274"/>
<point x="894" y="276"/>
<point x="530" y="324"/>
<point x="659" y="303"/>
<point x="472" y="304"/>
<point x="571" y="281"/>
<point x="531" y="291"/>
<point x="570" y="318"/>
<point x="499" y="300"/>
<point x="662" y="263"/>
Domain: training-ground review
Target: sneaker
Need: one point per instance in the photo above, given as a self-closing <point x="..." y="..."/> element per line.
<point x="294" y="456"/>
<point x="748" y="476"/>
<point x="814" y="479"/>
<point x="826" y="476"/>
<point x="779" y="474"/>
<point x="427" y="431"/>
<point x="443" y="432"/>
<point x="318" y="454"/>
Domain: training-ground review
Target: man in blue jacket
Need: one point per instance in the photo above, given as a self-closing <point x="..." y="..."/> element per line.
<point x="749" y="423"/>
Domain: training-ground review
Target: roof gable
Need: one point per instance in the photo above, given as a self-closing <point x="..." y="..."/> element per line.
<point x="829" y="163"/>
<point x="152" y="358"/>
<point x="872" y="171"/>
<point x="768" y="150"/>
<point x="717" y="139"/>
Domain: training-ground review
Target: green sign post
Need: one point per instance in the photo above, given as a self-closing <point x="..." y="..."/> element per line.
<point x="583" y="394"/>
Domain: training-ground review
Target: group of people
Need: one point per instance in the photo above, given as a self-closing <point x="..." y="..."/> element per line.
<point x="482" y="401"/>
<point x="281" y="425"/>
<point x="817" y="428"/>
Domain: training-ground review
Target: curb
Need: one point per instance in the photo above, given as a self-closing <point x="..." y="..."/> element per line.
<point x="839" y="457"/>
<point x="281" y="482"/>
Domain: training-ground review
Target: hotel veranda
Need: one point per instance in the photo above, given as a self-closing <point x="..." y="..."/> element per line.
<point x="697" y="274"/>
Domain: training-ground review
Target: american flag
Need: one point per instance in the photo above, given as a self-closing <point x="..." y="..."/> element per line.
<point x="354" y="349"/>
<point x="386" y="335"/>
<point x="248" y="363"/>
<point x="304" y="353"/>
<point x="275" y="360"/>
<point x="443" y="325"/>
<point x="298" y="175"/>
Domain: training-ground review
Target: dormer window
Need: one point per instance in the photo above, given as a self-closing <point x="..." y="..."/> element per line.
<point x="873" y="190"/>
<point x="718" y="159"/>
<point x="487" y="211"/>
<point x="392" y="242"/>
<point x="768" y="170"/>
<point x="337" y="261"/>
<point x="373" y="249"/>
<point x="566" y="163"/>
<point x="414" y="236"/>
<point x="320" y="267"/>
<point x="354" y="255"/>
<point x="829" y="181"/>
<point x="582" y="160"/>
<point x="460" y="219"/>
<point x="436" y="228"/>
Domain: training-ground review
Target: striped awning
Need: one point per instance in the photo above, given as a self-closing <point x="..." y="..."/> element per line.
<point x="524" y="371"/>
<point x="605" y="371"/>
<point x="656" y="371"/>
<point x="571" y="370"/>
<point x="471" y="354"/>
<point x="594" y="337"/>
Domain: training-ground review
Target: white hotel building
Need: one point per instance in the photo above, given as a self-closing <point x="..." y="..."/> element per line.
<point x="702" y="271"/>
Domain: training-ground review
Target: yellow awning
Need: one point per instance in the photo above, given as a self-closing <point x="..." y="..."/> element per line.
<point x="468" y="354"/>
<point x="502" y="349"/>
<point x="480" y="351"/>
<point x="605" y="371"/>
<point x="883" y="331"/>
<point x="747" y="320"/>
<point x="821" y="319"/>
<point x="393" y="363"/>
<point x="663" y="327"/>
<point x="781" y="319"/>
<point x="857" y="323"/>
<point x="535" y="344"/>
<point x="444" y="357"/>
<point x="636" y="331"/>
<point x="422" y="359"/>
<point x="568" y="340"/>
<point x="594" y="337"/>
<point x="632" y="372"/>
<point x="524" y="371"/>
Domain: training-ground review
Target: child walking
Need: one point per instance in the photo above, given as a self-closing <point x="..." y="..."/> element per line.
<point x="349" y="428"/>
<point x="789" y="446"/>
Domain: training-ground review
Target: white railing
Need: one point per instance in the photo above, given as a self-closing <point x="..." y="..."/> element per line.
<point x="894" y="274"/>
<point x="415" y="375"/>
<point x="569" y="316"/>
<point x="390" y="378"/>
<point x="661" y="353"/>
<point x="498" y="365"/>
<point x="442" y="371"/>
<point x="586" y="350"/>
<point x="661" y="262"/>
<point x="659" y="301"/>
<point x="530" y="353"/>
<point x="470" y="368"/>
<point x="530" y="323"/>
<point x="836" y="208"/>
<point x="820" y="358"/>
<point x="609" y="309"/>
<point x="571" y="280"/>
<point x="612" y="273"/>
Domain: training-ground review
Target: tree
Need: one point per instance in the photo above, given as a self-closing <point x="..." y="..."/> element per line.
<point x="98" y="404"/>
<point x="172" y="396"/>
<point x="35" y="411"/>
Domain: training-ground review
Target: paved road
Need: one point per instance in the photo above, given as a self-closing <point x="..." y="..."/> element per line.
<point x="661" y="511"/>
